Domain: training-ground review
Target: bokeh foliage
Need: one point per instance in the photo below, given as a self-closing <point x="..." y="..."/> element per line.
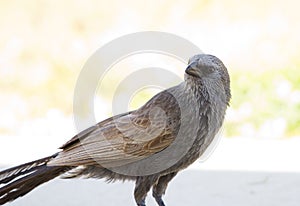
<point x="44" y="44"/>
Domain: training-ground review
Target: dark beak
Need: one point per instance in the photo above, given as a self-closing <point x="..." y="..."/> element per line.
<point x="192" y="69"/>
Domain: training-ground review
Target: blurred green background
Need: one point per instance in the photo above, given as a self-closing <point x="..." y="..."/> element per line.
<point x="44" y="45"/>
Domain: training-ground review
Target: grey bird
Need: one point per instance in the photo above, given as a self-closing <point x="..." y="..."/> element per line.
<point x="149" y="145"/>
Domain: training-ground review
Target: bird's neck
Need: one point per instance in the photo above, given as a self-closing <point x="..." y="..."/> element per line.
<point x="206" y="89"/>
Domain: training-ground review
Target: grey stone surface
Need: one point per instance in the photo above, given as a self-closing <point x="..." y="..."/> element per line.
<point x="191" y="187"/>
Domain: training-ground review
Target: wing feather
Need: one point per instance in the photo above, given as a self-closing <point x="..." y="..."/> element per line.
<point x="124" y="138"/>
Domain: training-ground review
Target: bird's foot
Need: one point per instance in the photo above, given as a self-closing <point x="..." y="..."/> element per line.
<point x="142" y="203"/>
<point x="158" y="199"/>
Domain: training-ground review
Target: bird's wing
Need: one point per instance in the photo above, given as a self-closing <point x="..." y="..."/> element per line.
<point x="124" y="138"/>
<point x="85" y="133"/>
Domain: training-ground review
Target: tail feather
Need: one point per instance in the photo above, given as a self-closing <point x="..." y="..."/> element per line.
<point x="22" y="179"/>
<point x="11" y="173"/>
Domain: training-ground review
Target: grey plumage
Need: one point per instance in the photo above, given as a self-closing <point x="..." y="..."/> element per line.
<point x="149" y="145"/>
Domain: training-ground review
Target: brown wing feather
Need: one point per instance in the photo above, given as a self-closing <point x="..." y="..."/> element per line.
<point x="124" y="138"/>
<point x="76" y="139"/>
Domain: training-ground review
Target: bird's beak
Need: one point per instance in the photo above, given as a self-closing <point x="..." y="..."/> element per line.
<point x="192" y="69"/>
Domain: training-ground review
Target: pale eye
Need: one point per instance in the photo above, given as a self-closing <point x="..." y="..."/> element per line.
<point x="206" y="69"/>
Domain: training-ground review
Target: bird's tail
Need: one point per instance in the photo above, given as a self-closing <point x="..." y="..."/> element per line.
<point x="18" y="181"/>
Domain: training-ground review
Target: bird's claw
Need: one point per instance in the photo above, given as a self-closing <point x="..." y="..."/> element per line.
<point x="142" y="203"/>
<point x="158" y="199"/>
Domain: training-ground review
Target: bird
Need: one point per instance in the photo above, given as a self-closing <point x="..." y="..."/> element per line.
<point x="149" y="145"/>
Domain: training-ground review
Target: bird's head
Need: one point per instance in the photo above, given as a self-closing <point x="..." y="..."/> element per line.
<point x="208" y="68"/>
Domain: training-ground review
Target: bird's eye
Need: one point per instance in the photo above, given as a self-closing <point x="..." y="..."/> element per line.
<point x="207" y="69"/>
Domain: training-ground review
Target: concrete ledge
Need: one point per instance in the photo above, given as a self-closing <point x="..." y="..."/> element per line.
<point x="192" y="187"/>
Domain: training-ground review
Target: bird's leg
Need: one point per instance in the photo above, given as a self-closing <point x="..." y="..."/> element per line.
<point x="141" y="203"/>
<point x="142" y="187"/>
<point x="160" y="187"/>
<point x="159" y="200"/>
